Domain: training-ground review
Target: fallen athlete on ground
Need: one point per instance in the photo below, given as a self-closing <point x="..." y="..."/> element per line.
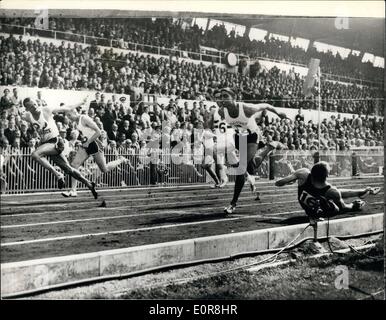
<point x="320" y="199"/>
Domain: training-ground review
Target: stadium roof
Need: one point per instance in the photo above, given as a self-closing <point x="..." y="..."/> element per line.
<point x="363" y="34"/>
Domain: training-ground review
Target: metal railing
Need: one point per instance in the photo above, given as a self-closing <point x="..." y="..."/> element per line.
<point x="19" y="173"/>
<point x="342" y="163"/>
<point x="114" y="43"/>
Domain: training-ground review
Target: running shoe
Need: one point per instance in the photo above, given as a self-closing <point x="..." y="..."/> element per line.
<point x="61" y="182"/>
<point x="370" y="191"/>
<point x="223" y="184"/>
<point x="375" y="190"/>
<point x="68" y="194"/>
<point x="230" y="209"/>
<point x="92" y="189"/>
<point x="257" y="196"/>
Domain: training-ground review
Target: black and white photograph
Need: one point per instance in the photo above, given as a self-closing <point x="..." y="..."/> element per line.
<point x="209" y="151"/>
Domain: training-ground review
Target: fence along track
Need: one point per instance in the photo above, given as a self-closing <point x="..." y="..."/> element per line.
<point x="21" y="174"/>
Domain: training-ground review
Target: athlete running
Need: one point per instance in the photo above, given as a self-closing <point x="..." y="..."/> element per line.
<point x="207" y="136"/>
<point x="318" y="198"/>
<point x="51" y="144"/>
<point x="244" y="118"/>
<point x="225" y="149"/>
<point x="91" y="146"/>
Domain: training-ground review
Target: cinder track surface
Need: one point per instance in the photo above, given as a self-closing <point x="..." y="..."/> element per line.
<point x="48" y="225"/>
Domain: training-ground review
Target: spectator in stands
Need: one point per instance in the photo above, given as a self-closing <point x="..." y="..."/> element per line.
<point x="11" y="132"/>
<point x="40" y="101"/>
<point x="6" y="101"/>
<point x="113" y="133"/>
<point x="16" y="101"/>
<point x="109" y="117"/>
<point x="95" y="104"/>
<point x="299" y="117"/>
<point x="166" y="78"/>
<point x="125" y="129"/>
<point x="25" y="136"/>
<point x="145" y="117"/>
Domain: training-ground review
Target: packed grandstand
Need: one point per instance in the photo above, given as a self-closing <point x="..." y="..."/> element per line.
<point x="141" y="73"/>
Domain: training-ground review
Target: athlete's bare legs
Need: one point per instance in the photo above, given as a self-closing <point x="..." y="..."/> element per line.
<point x="361" y="193"/>
<point x="81" y="156"/>
<point x="240" y="179"/>
<point x="43" y="151"/>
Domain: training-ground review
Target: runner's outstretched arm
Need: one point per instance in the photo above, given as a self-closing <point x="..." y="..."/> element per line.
<point x="336" y="196"/>
<point x="261" y="107"/>
<point x="69" y="108"/>
<point x="299" y="175"/>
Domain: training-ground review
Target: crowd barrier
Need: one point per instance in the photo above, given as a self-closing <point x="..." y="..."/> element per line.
<point x="342" y="163"/>
<point x="19" y="173"/>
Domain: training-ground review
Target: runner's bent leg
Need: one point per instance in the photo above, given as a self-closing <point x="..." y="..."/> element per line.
<point x="350" y="193"/>
<point x="240" y="179"/>
<point x="80" y="157"/>
<point x="47" y="149"/>
<point x="101" y="162"/>
<point x="62" y="162"/>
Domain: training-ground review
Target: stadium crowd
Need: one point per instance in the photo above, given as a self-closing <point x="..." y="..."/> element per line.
<point x="165" y="33"/>
<point x="136" y="126"/>
<point x="75" y="67"/>
<point x="137" y="133"/>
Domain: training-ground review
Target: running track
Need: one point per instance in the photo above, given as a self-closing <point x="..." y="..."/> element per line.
<point x="48" y="225"/>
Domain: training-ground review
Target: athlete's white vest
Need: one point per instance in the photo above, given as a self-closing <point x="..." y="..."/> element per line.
<point x="47" y="129"/>
<point x="241" y="122"/>
<point x="224" y="133"/>
<point x="87" y="132"/>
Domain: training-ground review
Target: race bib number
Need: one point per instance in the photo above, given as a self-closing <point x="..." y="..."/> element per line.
<point x="308" y="200"/>
<point x="222" y="127"/>
<point x="84" y="140"/>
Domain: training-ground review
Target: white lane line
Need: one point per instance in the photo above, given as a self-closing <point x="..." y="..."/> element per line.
<point x="374" y="203"/>
<point x="119" y="208"/>
<point x="156" y="194"/>
<point x="7" y="244"/>
<point x="83" y="200"/>
<point x="175" y="188"/>
<point x="165" y="205"/>
<point x="140" y="206"/>
<point x="128" y="216"/>
<point x="146" y="215"/>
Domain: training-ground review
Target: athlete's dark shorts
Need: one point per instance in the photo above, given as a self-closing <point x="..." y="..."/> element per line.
<point x="59" y="159"/>
<point x="326" y="209"/>
<point x="58" y="142"/>
<point x="94" y="147"/>
<point x="251" y="138"/>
